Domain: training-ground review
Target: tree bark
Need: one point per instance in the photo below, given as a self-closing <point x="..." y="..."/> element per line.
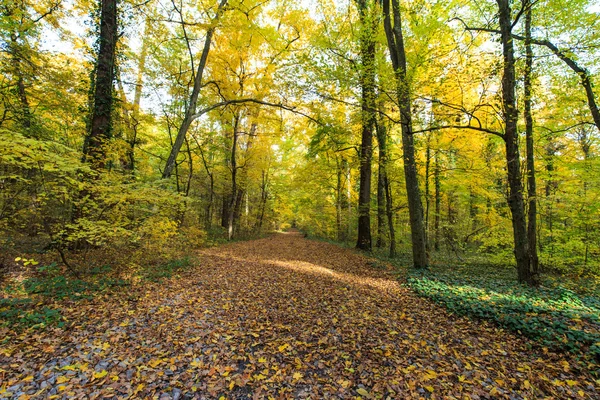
<point x="100" y="133"/>
<point x="382" y="139"/>
<point x="367" y="82"/>
<point x="381" y="203"/>
<point x="511" y="140"/>
<point x="395" y="41"/>
<point x="438" y="200"/>
<point x="531" y="182"/>
<point x="193" y="101"/>
<point x="338" y="200"/>
<point x="234" y="168"/>
<point x="427" y="192"/>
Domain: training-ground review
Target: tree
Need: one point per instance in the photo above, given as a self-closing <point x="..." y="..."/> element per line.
<point x="100" y="132"/>
<point x="368" y="29"/>
<point x="531" y="183"/>
<point x="395" y="40"/>
<point x="511" y="139"/>
<point x="190" y="111"/>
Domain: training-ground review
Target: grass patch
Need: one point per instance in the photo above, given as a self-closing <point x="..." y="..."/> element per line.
<point x="554" y="315"/>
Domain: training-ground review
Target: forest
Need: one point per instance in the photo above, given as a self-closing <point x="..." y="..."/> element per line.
<point x="313" y="199"/>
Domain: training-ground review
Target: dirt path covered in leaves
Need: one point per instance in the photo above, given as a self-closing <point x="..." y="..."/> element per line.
<point x="281" y="317"/>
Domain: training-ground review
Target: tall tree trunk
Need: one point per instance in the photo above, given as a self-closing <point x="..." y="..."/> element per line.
<point x="348" y="196"/>
<point x="234" y="168"/>
<point x="383" y="202"/>
<point x="389" y="209"/>
<point x="381" y="172"/>
<point x="427" y="192"/>
<point x="438" y="200"/>
<point x="511" y="140"/>
<point x="338" y="200"/>
<point x="211" y="191"/>
<point x="395" y="41"/>
<point x="193" y="101"/>
<point x="100" y="133"/>
<point x="367" y="82"/>
<point x="382" y="138"/>
<point x="531" y="183"/>
<point x="264" y="195"/>
<point x="225" y="203"/>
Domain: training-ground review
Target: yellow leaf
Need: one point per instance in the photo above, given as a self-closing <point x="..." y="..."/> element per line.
<point x="571" y="383"/>
<point x="526" y="384"/>
<point x="62" y="379"/>
<point x="155" y="363"/>
<point x="430" y="375"/>
<point x="362" y="392"/>
<point x="297" y="376"/>
<point x="283" y="347"/>
<point x="231" y="385"/>
<point x="99" y="375"/>
<point x="115" y="378"/>
<point x="461" y="378"/>
<point x="28" y="379"/>
<point x="259" y="377"/>
<point x="345" y="384"/>
<point x="138" y="388"/>
<point x="494" y="391"/>
<point x="429" y="389"/>
<point x="262" y="360"/>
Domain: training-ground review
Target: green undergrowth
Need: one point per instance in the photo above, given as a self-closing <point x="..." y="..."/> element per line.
<point x="35" y="302"/>
<point x="554" y="315"/>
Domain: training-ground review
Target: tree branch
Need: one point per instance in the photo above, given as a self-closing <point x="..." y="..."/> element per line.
<point x="474" y="128"/>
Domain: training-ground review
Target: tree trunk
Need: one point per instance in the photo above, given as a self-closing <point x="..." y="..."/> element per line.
<point x="100" y="134"/>
<point x="193" y="101"/>
<point x="367" y="82"/>
<point x="438" y="200"/>
<point x="264" y="195"/>
<point x="338" y="200"/>
<point x="398" y="57"/>
<point x="381" y="203"/>
<point x="511" y="140"/>
<point x="427" y="192"/>
<point x="234" y="168"/>
<point x="531" y="183"/>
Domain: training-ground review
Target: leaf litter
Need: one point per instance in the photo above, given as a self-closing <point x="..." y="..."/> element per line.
<point x="280" y="317"/>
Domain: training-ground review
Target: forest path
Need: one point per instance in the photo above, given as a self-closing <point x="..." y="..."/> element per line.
<point x="284" y="317"/>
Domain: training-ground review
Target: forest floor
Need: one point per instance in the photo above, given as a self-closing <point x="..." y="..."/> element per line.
<point x="280" y="317"/>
